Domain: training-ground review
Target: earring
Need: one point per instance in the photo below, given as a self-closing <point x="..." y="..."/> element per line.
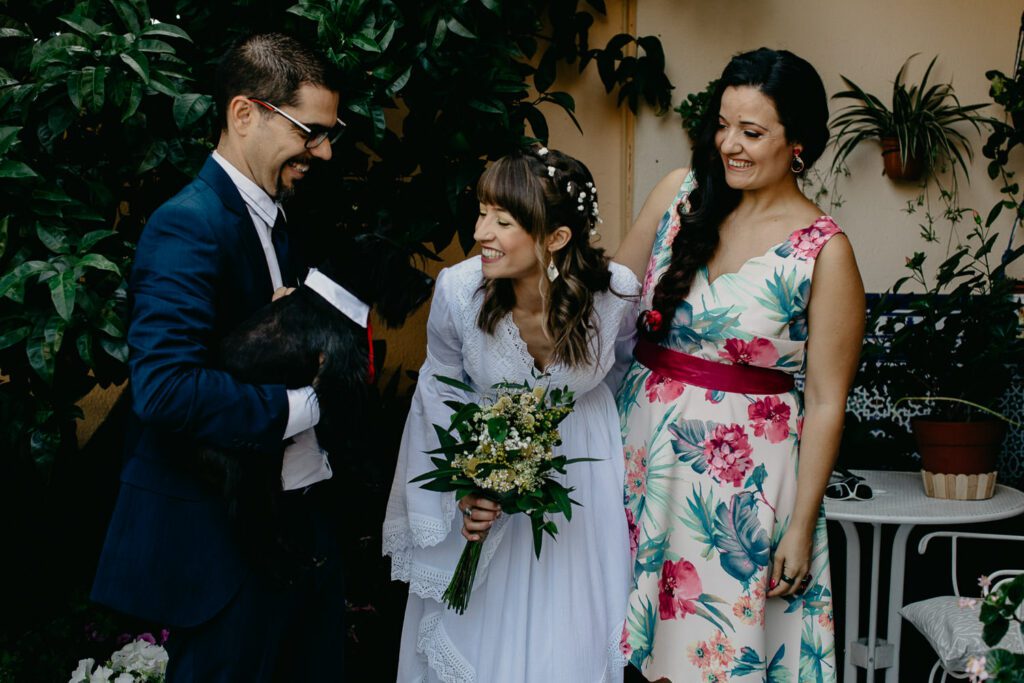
<point x="797" y="164"/>
<point x="552" y="271"/>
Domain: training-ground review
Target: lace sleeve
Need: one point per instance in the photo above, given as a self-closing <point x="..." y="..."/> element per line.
<point x="627" y="305"/>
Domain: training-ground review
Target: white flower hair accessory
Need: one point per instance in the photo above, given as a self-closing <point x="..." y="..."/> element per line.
<point x="551" y="171"/>
<point x="542" y="152"/>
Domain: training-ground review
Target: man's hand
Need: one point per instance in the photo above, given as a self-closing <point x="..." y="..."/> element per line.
<point x="280" y="292"/>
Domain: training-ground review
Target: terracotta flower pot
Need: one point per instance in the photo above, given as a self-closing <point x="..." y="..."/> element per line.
<point x="894" y="166"/>
<point x="958" y="459"/>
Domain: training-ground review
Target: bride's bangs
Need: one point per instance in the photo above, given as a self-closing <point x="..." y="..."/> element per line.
<point x="508" y="183"/>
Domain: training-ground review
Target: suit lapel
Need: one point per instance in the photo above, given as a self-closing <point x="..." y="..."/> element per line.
<point x="252" y="250"/>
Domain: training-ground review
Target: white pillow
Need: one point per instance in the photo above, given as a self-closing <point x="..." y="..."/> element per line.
<point x="953" y="629"/>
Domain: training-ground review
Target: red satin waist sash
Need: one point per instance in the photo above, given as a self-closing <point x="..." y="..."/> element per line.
<point x="742" y="379"/>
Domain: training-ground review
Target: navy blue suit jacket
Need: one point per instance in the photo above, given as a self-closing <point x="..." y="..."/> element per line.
<point x="199" y="270"/>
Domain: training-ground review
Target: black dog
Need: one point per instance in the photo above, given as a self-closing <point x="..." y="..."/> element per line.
<point x="300" y="340"/>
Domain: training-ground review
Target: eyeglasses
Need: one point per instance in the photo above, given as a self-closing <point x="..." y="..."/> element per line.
<point x="315" y="134"/>
<point x="848" y="487"/>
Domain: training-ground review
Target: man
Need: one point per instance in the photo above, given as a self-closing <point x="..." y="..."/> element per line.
<point x="207" y="260"/>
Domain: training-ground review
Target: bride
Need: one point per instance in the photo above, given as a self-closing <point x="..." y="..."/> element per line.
<point x="539" y="298"/>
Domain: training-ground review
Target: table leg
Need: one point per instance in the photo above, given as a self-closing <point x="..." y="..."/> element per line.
<point x="876" y="553"/>
<point x="892" y="631"/>
<point x="852" y="599"/>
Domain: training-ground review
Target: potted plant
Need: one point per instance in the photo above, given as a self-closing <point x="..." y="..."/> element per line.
<point x="951" y="347"/>
<point x="917" y="132"/>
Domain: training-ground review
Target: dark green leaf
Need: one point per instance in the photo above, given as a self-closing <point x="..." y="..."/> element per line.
<point x="115" y="348"/>
<point x="8" y="136"/>
<point x="456" y="27"/>
<point x="127" y="14"/>
<point x="167" y="30"/>
<point x="87" y="88"/>
<point x="97" y="262"/>
<point x="3" y="236"/>
<point x="84" y="346"/>
<point x="15" y="169"/>
<point x="15" y="280"/>
<point x="190" y="107"/>
<point x="138" y="63"/>
<point x="13" y="334"/>
<point x="53" y="238"/>
<point x="91" y="239"/>
<point x="62" y="293"/>
<point x="364" y="43"/>
<point x="454" y="383"/>
<point x="993" y="632"/>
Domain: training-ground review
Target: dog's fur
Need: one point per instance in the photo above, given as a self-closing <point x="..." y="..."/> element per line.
<point x="302" y="340"/>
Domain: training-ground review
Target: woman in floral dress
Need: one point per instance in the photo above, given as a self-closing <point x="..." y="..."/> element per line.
<point x="745" y="284"/>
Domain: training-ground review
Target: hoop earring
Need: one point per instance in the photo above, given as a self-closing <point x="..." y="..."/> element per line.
<point x="552" y="271"/>
<point x="797" y="165"/>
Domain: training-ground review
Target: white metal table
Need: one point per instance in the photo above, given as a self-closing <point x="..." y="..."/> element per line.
<point x="899" y="499"/>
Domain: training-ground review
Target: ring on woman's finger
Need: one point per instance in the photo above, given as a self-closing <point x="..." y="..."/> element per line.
<point x="788" y="579"/>
<point x="467" y="512"/>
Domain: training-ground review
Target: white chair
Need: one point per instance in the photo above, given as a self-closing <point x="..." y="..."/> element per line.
<point x="950" y="622"/>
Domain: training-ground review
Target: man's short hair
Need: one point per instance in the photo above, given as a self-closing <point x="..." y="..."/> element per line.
<point x="270" y="67"/>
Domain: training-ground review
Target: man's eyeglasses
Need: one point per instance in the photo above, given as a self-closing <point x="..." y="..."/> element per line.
<point x="315" y="134"/>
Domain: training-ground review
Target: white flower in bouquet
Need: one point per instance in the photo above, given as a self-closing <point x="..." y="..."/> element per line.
<point x="84" y="673"/>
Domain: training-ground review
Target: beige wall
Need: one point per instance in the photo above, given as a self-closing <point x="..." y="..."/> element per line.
<point x="865" y="40"/>
<point x="603" y="147"/>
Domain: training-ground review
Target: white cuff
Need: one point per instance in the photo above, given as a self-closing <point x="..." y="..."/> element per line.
<point x="303" y="411"/>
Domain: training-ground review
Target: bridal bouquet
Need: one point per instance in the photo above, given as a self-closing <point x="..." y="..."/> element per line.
<point x="140" y="661"/>
<point x="501" y="448"/>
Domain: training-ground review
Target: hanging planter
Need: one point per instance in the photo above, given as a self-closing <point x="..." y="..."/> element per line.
<point x="918" y="130"/>
<point x="896" y="167"/>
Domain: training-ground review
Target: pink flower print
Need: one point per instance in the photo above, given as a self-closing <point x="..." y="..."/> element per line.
<point x="636" y="471"/>
<point x="721" y="649"/>
<point x="758" y="351"/>
<point x="808" y="242"/>
<point x="661" y="389"/>
<point x="800" y="427"/>
<point x="678" y="587"/>
<point x="769" y="417"/>
<point x="966" y="603"/>
<point x="827" y="620"/>
<point x="624" y="645"/>
<point x="728" y="451"/>
<point x="748" y="613"/>
<point x="699" y="655"/>
<point x="634" y="533"/>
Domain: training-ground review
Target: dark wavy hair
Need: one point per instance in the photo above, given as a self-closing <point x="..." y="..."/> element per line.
<point x="799" y="97"/>
<point x="270" y="67"/>
<point x="542" y="200"/>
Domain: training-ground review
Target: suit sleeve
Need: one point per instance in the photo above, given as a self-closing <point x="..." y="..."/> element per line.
<point x="173" y="285"/>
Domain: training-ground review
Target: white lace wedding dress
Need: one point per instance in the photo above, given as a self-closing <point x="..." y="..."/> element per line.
<point x="556" y="619"/>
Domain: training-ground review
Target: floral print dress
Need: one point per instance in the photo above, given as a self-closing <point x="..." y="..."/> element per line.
<point x="711" y="481"/>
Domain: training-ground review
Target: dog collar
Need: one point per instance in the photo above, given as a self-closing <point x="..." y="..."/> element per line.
<point x="339" y="297"/>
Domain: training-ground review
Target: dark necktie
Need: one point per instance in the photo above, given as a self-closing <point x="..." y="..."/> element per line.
<point x="279" y="238"/>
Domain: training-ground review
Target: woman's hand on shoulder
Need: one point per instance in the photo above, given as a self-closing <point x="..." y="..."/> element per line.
<point x="635" y="250"/>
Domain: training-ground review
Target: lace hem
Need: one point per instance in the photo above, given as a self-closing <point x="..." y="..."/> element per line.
<point x="443" y="658"/>
<point x="616" y="659"/>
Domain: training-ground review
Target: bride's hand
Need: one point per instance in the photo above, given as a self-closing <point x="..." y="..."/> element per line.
<point x="478" y="514"/>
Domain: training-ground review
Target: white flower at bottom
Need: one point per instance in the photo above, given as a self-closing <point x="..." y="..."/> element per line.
<point x="101" y="675"/>
<point x="125" y="678"/>
<point x="82" y="671"/>
<point x="141" y="657"/>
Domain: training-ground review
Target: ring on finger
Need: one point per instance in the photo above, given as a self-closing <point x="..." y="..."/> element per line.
<point x="787" y="579"/>
<point x="467" y="512"/>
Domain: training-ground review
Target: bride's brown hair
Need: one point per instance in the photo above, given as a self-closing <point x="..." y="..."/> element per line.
<point x="544" y="190"/>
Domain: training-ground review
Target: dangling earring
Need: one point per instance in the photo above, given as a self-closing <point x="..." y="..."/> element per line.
<point x="552" y="271"/>
<point x="797" y="165"/>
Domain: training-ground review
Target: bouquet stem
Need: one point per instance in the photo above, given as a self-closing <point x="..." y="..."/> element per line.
<point x="456" y="596"/>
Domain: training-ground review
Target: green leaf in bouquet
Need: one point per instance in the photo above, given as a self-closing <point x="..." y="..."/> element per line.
<point x="497" y="429"/>
<point x="454" y="383"/>
<point x="563" y="503"/>
<point x="464" y="412"/>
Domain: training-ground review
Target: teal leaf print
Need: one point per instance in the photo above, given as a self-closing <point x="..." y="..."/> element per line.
<point x="642" y="621"/>
<point x="698" y="518"/>
<point x="815" y="659"/>
<point x="629" y="390"/>
<point x="777" y="673"/>
<point x="814" y="600"/>
<point x="688" y="438"/>
<point x="748" y="662"/>
<point x="742" y="542"/>
<point x="652" y="553"/>
<point x="756" y="478"/>
<point x="713" y="614"/>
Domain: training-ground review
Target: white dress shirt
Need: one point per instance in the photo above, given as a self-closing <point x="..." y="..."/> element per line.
<point x="305" y="463"/>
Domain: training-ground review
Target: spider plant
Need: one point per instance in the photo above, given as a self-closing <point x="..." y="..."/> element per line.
<point x="921" y="120"/>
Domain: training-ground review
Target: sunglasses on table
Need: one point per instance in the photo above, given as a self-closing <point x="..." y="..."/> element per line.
<point x="315" y="134"/>
<point x="843" y="485"/>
